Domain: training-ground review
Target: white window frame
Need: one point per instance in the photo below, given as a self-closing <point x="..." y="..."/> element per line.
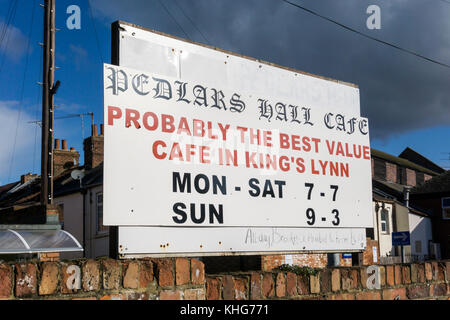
<point x="99" y="229"/>
<point x="384" y="222"/>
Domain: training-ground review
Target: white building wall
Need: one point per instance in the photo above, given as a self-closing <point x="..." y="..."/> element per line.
<point x="421" y="234"/>
<point x="384" y="238"/>
<point x="97" y="243"/>
<point x="73" y="219"/>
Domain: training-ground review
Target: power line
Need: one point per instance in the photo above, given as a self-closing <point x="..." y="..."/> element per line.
<point x="11" y="9"/>
<point x="95" y="30"/>
<point x="5" y="33"/>
<point x="22" y="91"/>
<point x="173" y="18"/>
<point x="38" y="98"/>
<point x="192" y="22"/>
<point x="367" y="36"/>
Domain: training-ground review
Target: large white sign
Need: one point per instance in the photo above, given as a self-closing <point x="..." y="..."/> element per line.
<point x="212" y="143"/>
<point x="189" y="154"/>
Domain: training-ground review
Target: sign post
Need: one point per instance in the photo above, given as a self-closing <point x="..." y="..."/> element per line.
<point x="401" y="239"/>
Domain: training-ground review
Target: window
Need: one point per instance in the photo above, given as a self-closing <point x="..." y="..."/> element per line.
<point x="446" y="208"/>
<point x="384" y="220"/>
<point x="418" y="245"/>
<point x="99" y="208"/>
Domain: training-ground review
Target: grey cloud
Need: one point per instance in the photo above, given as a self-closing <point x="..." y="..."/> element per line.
<point x="399" y="92"/>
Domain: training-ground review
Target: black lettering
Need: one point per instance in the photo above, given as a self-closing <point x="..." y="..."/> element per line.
<point x="280" y="185"/>
<point x="221" y="185"/>
<point x="214" y="213"/>
<point x="268" y="189"/>
<point x="180" y="212"/>
<point x="202" y="213"/>
<point x="253" y="183"/>
<point x="178" y="184"/>
<point x="197" y="183"/>
<point x="237" y="104"/>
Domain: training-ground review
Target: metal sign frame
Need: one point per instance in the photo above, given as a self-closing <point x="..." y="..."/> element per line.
<point x="116" y="247"/>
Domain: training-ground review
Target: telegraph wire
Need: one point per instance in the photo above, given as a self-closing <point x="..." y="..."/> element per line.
<point x="5" y="34"/>
<point x="11" y="9"/>
<point x="38" y="99"/>
<point x="192" y="22"/>
<point x="365" y="35"/>
<point x="173" y="18"/>
<point x="22" y="91"/>
<point x="95" y="31"/>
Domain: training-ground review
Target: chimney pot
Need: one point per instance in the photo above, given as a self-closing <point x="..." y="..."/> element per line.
<point x="101" y="129"/>
<point x="56" y="144"/>
<point x="94" y="130"/>
<point x="72" y="148"/>
<point x="64" y="144"/>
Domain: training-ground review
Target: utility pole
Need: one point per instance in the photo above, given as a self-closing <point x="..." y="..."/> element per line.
<point x="48" y="90"/>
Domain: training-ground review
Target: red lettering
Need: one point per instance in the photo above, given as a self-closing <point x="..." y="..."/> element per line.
<point x="316" y="144"/>
<point x="210" y="134"/>
<point x="284" y="141"/>
<point x="145" y="121"/>
<point x="176" y="152"/>
<point x="224" y="130"/>
<point x="242" y="130"/>
<point x="347" y="153"/>
<point x="366" y="152"/>
<point x="313" y="169"/>
<point x="267" y="138"/>
<point x="167" y="123"/>
<point x="204" y="152"/>
<point x="306" y="144"/>
<point x="132" y="116"/>
<point x="113" y="113"/>
<point x="183" y="126"/>
<point x="296" y="143"/>
<point x="157" y="155"/>
<point x="198" y="128"/>
<point x="300" y="165"/>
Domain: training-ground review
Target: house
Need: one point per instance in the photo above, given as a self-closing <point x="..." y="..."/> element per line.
<point x="77" y="193"/>
<point x="393" y="178"/>
<point x="435" y="195"/>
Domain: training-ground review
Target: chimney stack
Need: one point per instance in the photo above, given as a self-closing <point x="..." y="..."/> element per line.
<point x="64" y="158"/>
<point x="94" y="130"/>
<point x="93" y="148"/>
<point x="64" y="144"/>
<point x="27" y="177"/>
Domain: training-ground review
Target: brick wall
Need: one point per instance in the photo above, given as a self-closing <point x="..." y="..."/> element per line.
<point x="368" y="253"/>
<point x="391" y="172"/>
<point x="64" y="158"/>
<point x="93" y="148"/>
<point x="185" y="279"/>
<point x="314" y="260"/>
<point x="405" y="282"/>
<point x="410" y="177"/>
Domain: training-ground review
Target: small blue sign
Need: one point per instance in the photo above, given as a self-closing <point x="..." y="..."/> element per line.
<point x="400" y="238"/>
<point x="346" y="256"/>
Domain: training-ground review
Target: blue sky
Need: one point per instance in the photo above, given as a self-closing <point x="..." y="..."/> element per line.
<point x="406" y="99"/>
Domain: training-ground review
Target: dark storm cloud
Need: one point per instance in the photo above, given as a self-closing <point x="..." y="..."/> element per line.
<point x="399" y="92"/>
